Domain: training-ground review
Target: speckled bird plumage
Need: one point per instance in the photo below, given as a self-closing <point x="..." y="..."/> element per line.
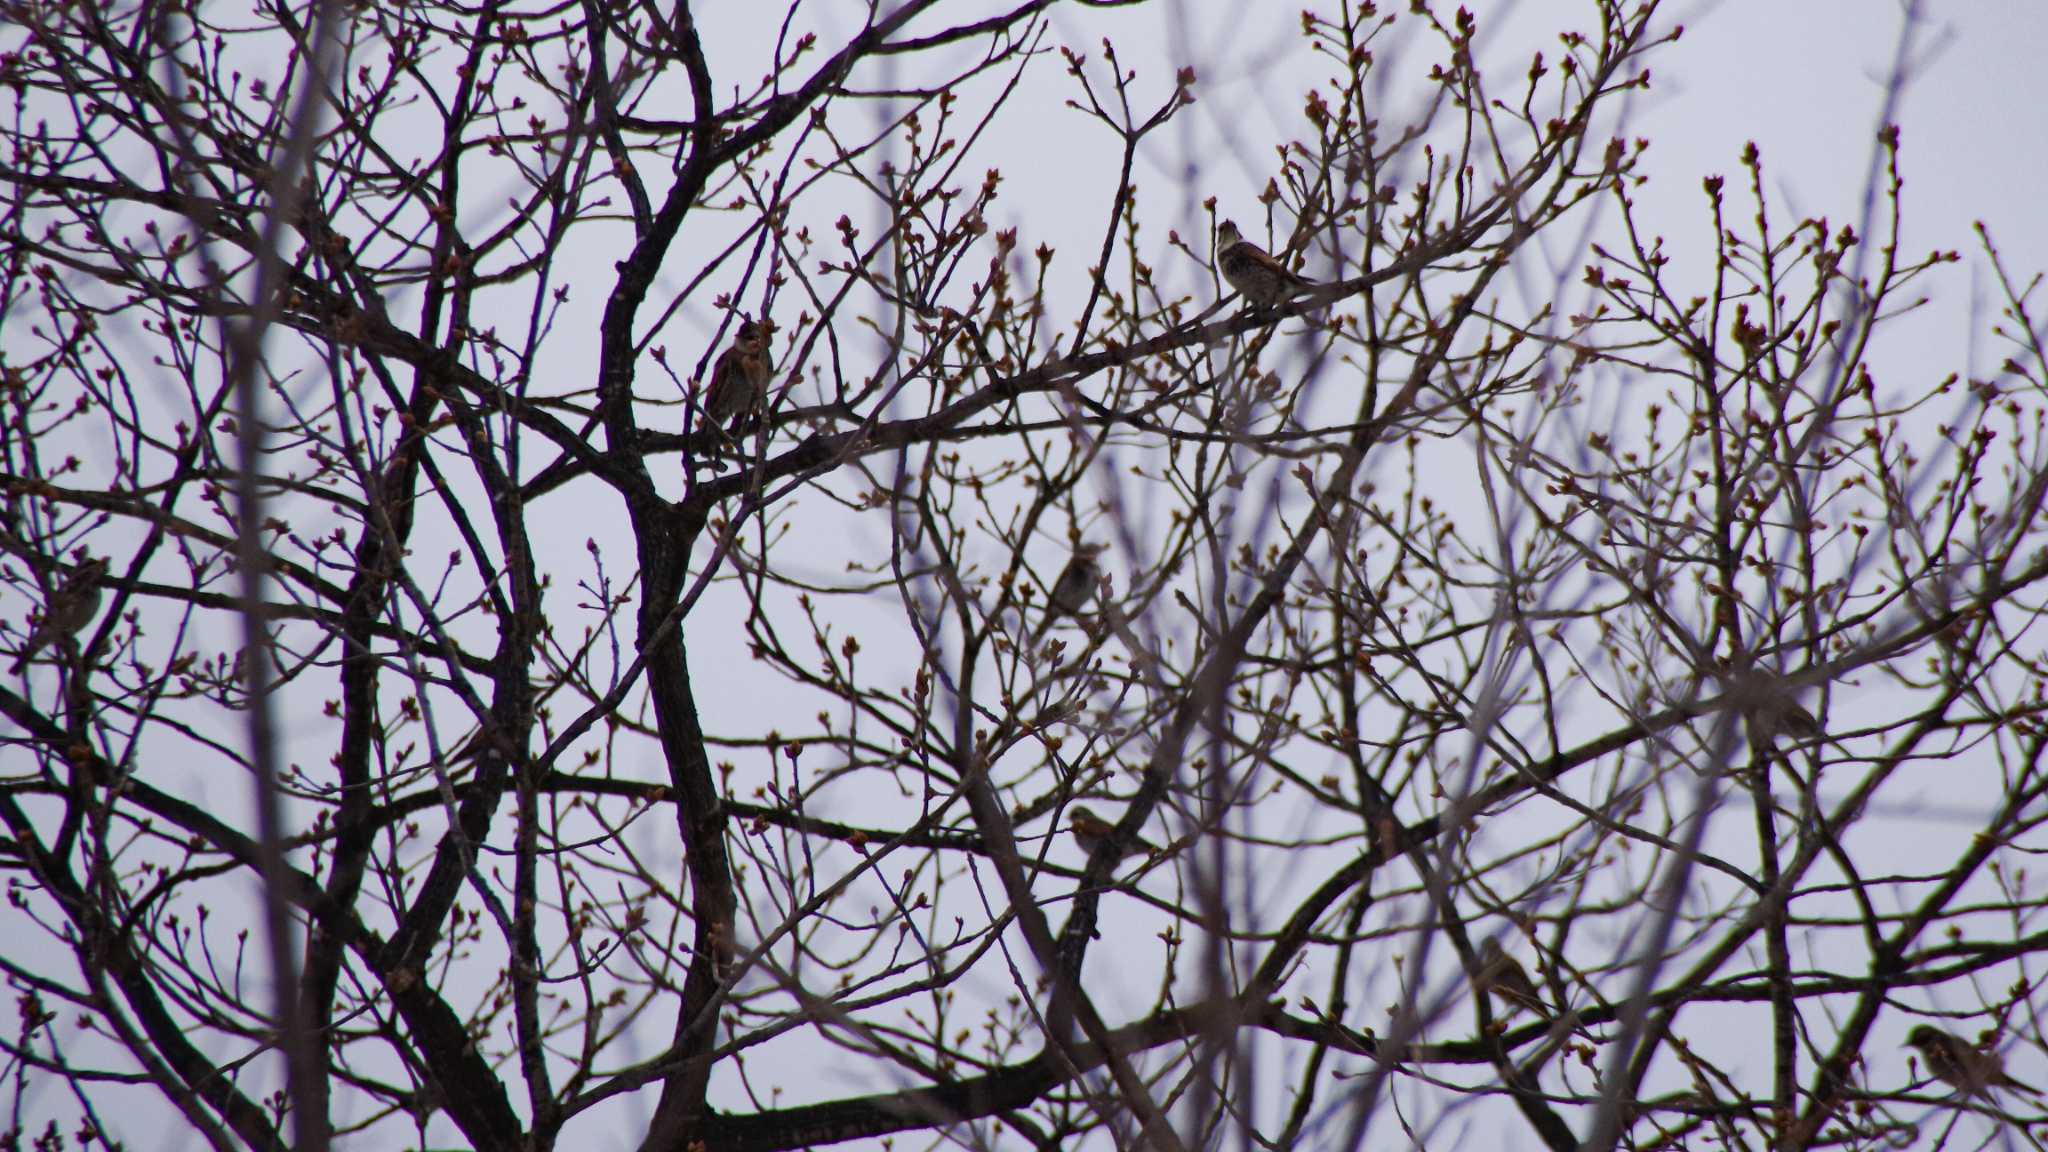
<point x="1253" y="272"/>
<point x="1960" y="1064"/>
<point x="1075" y="587"/>
<point x="739" y="381"/>
<point x="71" y="607"/>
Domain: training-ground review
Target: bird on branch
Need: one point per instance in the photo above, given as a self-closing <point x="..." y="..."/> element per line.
<point x="1960" y="1064"/>
<point x="70" y="608"/>
<point x="739" y="381"/>
<point x="1075" y="588"/>
<point x="1504" y="977"/>
<point x="1091" y="831"/>
<point x="1253" y="272"/>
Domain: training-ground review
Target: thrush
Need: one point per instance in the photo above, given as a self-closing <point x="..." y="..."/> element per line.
<point x="1091" y="830"/>
<point x="71" y="607"/>
<point x="1770" y="708"/>
<point x="1960" y="1064"/>
<point x="1504" y="976"/>
<point x="1076" y="586"/>
<point x="1253" y="271"/>
<point x="739" y="381"/>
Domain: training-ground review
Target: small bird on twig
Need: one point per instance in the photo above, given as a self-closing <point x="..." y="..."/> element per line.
<point x="1960" y="1064"/>
<point x="1091" y="830"/>
<point x="1504" y="976"/>
<point x="739" y="381"/>
<point x="1257" y="276"/>
<point x="71" y="607"/>
<point x="1075" y="587"/>
<point x="1770" y="708"/>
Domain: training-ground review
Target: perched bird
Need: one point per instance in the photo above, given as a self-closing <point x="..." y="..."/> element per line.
<point x="1797" y="721"/>
<point x="1253" y="271"/>
<point x="1504" y="976"/>
<point x="1769" y="708"/>
<point x="739" y="381"/>
<point x="1091" y="830"/>
<point x="1075" y="587"/>
<point x="1960" y="1064"/>
<point x="71" y="607"/>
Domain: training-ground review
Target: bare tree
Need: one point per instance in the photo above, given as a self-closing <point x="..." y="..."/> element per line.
<point x="729" y="646"/>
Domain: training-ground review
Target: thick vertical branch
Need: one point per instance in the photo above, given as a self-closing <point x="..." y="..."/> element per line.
<point x="290" y="165"/>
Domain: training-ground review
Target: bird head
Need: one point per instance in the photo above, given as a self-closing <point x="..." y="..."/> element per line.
<point x="1227" y="234"/>
<point x="1926" y="1038"/>
<point x="1489" y="950"/>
